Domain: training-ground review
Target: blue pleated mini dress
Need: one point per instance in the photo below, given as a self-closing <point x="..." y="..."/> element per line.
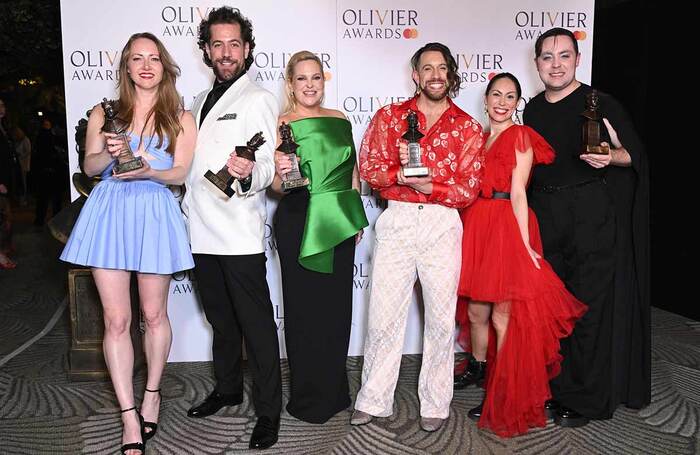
<point x="134" y="225"/>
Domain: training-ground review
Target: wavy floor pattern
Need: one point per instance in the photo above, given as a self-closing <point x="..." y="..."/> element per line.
<point x="42" y="412"/>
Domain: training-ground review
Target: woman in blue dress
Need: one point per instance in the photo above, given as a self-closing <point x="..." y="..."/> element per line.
<point x="132" y="223"/>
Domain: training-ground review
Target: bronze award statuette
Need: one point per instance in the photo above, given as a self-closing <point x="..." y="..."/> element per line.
<point x="293" y="178"/>
<point x="415" y="167"/>
<point x="222" y="179"/>
<point x="126" y="161"/>
<point x="592" y="127"/>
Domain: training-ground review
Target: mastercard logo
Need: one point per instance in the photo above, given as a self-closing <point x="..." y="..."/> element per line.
<point x="410" y="33"/>
<point x="580" y="35"/>
<point x="327" y="75"/>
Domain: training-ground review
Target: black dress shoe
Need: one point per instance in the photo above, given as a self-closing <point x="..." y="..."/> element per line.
<point x="550" y="409"/>
<point x="475" y="413"/>
<point x="474" y="374"/>
<point x="568" y="418"/>
<point x="213" y="403"/>
<point x="265" y="433"/>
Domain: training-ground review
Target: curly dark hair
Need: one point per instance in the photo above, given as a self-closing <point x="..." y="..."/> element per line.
<point x="452" y="75"/>
<point x="226" y="15"/>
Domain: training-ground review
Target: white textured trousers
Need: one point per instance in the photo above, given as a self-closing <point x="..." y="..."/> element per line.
<point x="413" y="241"/>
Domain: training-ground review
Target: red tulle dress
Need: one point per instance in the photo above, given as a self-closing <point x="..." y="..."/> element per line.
<point x="497" y="268"/>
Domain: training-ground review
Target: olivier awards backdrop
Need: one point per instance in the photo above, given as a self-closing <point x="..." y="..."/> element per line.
<point x="365" y="47"/>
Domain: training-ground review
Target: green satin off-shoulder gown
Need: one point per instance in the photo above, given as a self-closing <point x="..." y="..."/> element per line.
<point x="315" y="229"/>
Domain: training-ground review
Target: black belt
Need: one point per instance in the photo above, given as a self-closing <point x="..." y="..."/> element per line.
<point x="557" y="188"/>
<point x="498" y="195"/>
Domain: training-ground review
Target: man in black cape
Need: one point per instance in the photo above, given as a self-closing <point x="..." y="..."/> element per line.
<point x="593" y="211"/>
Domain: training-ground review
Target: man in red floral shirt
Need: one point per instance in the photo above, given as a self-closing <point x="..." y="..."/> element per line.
<point x="419" y="235"/>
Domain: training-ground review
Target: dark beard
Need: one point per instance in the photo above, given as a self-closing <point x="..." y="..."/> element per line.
<point x="435" y="97"/>
<point x="232" y="74"/>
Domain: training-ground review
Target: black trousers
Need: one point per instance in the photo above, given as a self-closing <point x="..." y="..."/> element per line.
<point x="577" y="226"/>
<point x="236" y="301"/>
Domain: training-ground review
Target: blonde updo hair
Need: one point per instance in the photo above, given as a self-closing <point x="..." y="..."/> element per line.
<point x="290" y="102"/>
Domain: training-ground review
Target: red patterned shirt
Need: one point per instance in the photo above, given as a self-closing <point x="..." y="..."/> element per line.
<point x="452" y="150"/>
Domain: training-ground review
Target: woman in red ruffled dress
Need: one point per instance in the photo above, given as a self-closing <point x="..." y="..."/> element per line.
<point x="505" y="284"/>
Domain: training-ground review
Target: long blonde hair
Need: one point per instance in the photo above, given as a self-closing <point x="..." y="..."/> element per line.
<point x="168" y="106"/>
<point x="290" y="102"/>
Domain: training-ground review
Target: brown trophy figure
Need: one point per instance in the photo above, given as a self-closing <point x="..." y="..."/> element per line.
<point x="126" y="161"/>
<point x="222" y="179"/>
<point x="415" y="166"/>
<point x="293" y="178"/>
<point x="592" y="127"/>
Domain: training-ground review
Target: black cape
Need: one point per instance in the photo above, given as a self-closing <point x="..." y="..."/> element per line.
<point x="629" y="188"/>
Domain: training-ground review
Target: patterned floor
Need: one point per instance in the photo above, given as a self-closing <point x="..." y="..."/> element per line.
<point x="42" y="412"/>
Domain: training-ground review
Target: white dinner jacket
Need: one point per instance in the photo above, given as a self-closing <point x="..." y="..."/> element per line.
<point x="216" y="224"/>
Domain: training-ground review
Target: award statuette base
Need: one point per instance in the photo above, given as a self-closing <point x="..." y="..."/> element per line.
<point x="224" y="184"/>
<point x="126" y="161"/>
<point x="294" y="178"/>
<point x="87" y="362"/>
<point x="289" y="185"/>
<point x="414" y="167"/>
<point x="596" y="150"/>
<point x="222" y="179"/>
<point x="418" y="171"/>
<point x="121" y="168"/>
<point x="592" y="127"/>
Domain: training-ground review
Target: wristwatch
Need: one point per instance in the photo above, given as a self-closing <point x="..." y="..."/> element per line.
<point x="245" y="183"/>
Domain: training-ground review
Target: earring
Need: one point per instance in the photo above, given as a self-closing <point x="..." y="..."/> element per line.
<point x="518" y="120"/>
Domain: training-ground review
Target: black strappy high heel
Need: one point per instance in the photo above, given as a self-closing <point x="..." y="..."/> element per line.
<point x="135" y="445"/>
<point x="150" y="425"/>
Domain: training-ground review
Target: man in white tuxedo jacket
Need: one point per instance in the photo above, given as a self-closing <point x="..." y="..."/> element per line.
<point x="227" y="234"/>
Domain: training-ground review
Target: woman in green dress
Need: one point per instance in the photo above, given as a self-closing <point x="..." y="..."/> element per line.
<point x="317" y="227"/>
